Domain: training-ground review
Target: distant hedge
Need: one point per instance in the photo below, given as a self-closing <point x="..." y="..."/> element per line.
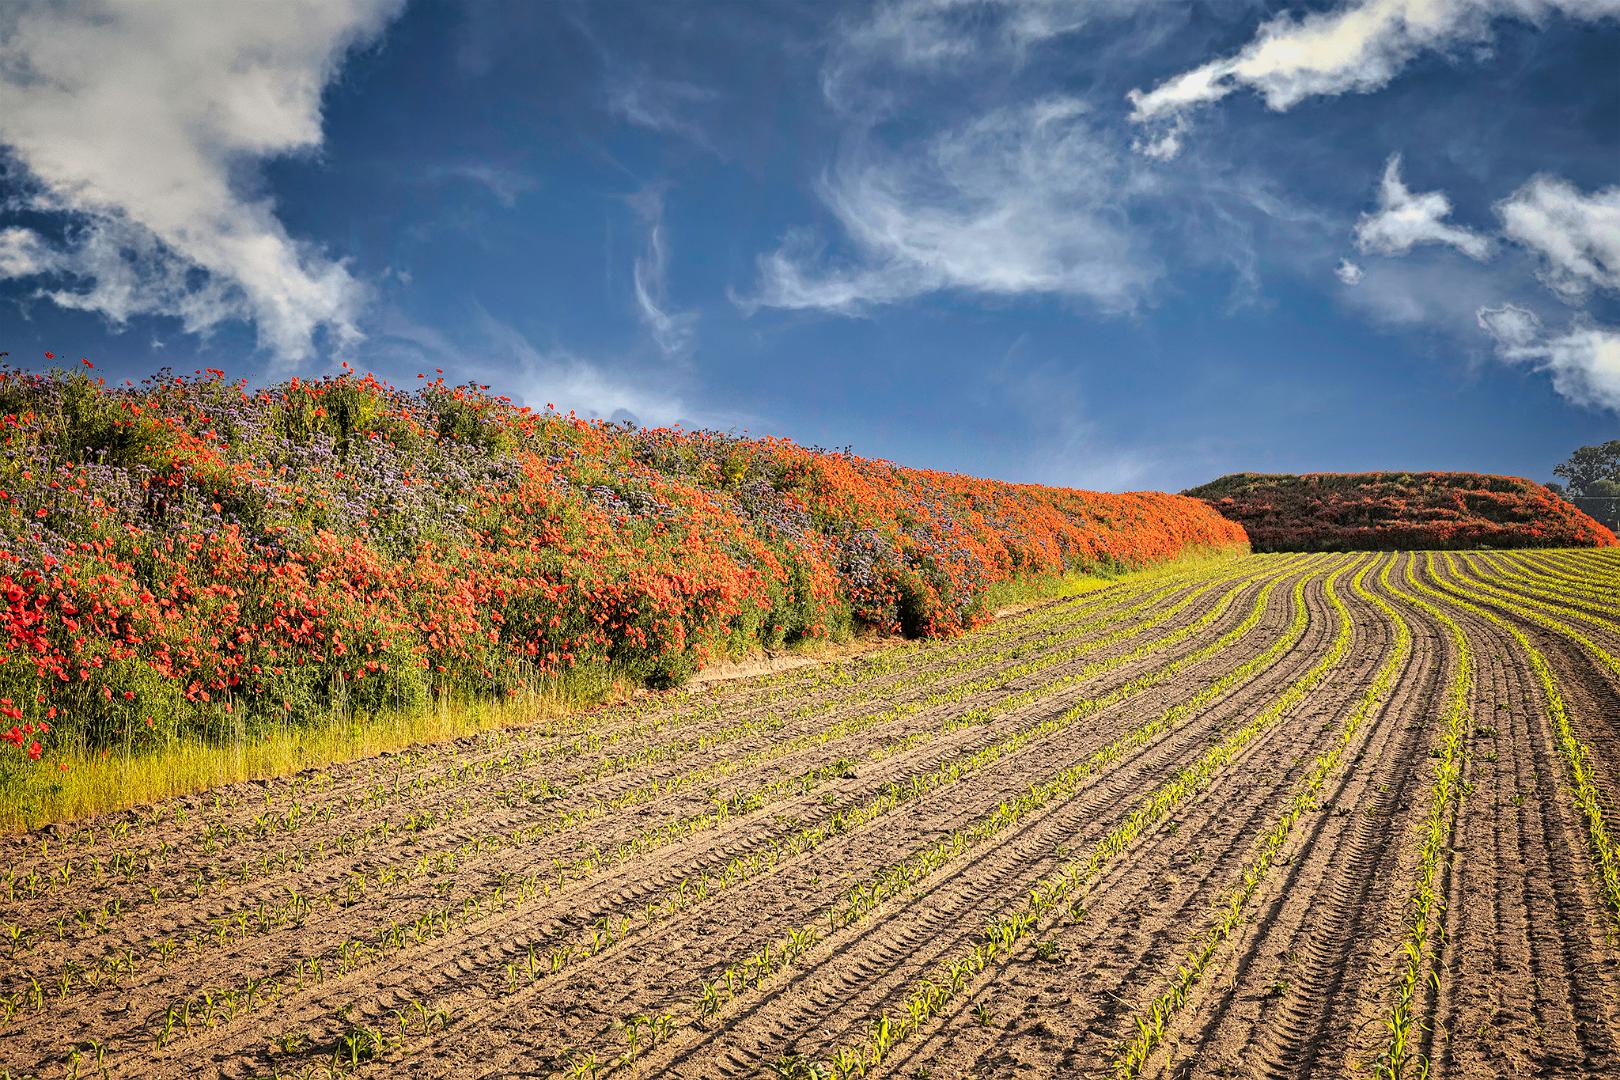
<point x="1399" y="511"/>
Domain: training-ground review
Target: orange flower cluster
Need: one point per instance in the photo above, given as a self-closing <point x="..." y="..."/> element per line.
<point x="1399" y="511"/>
<point x="190" y="554"/>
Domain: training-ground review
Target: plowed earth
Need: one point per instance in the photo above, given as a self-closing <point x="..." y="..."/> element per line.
<point x="1297" y="815"/>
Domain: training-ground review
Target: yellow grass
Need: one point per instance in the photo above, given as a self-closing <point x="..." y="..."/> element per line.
<point x="96" y="783"/>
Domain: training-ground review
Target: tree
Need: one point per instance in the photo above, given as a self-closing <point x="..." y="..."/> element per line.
<point x="1592" y="469"/>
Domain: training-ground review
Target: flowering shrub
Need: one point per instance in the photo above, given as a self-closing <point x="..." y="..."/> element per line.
<point x="1399" y="511"/>
<point x="190" y="555"/>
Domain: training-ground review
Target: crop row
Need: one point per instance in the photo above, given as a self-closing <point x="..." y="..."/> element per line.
<point x="1535" y="578"/>
<point x="1596" y="580"/>
<point x="1577" y="756"/>
<point x="1132" y="1058"/>
<point x="1062" y="892"/>
<point x="1462" y="585"/>
<point x="1523" y="603"/>
<point x="1420" y="966"/>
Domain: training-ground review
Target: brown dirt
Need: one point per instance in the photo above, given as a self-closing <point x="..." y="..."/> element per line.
<point x="614" y="805"/>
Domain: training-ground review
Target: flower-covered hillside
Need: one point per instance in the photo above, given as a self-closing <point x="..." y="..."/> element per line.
<point x="1399" y="511"/>
<point x="193" y="554"/>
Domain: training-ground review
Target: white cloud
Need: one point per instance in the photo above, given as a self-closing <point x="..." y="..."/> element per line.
<point x="1511" y="326"/>
<point x="130" y="273"/>
<point x="1348" y="272"/>
<point x="1575" y="236"/>
<point x="1164" y="143"/>
<point x="674" y="331"/>
<point x="928" y="33"/>
<point x="1584" y="362"/>
<point x="1025" y="200"/>
<point x="140" y="121"/>
<point x="662" y="105"/>
<point x="1585" y="365"/>
<point x="895" y="40"/>
<point x="1358" y="47"/>
<point x="1405" y="219"/>
<point x="24" y="253"/>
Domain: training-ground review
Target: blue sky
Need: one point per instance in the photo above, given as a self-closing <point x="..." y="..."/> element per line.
<point x="1101" y="243"/>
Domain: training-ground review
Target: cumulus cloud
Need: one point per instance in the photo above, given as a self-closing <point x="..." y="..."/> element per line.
<point x="1405" y="219"/>
<point x="138" y="122"/>
<point x="1584" y="362"/>
<point x="1575" y="236"/>
<point x="1348" y="272"/>
<point x="1357" y="47"/>
<point x="674" y="331"/>
<point x="1021" y="200"/>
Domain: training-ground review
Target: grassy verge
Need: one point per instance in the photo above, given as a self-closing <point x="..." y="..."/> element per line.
<point x="96" y="782"/>
<point x="102" y="781"/>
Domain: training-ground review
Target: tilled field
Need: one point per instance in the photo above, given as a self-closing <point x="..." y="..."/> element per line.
<point x="1305" y="815"/>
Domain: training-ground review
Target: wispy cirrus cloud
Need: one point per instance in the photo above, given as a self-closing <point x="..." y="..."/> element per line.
<point x="673" y="331"/>
<point x="505" y="185"/>
<point x="1357" y="47"/>
<point x="929" y="33"/>
<point x="138" y="125"/>
<point x="668" y="106"/>
<point x="892" y="40"/>
<point x="1029" y="199"/>
<point x="1011" y="191"/>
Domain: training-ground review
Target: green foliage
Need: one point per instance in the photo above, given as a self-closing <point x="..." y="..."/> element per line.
<point x="1592" y="466"/>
